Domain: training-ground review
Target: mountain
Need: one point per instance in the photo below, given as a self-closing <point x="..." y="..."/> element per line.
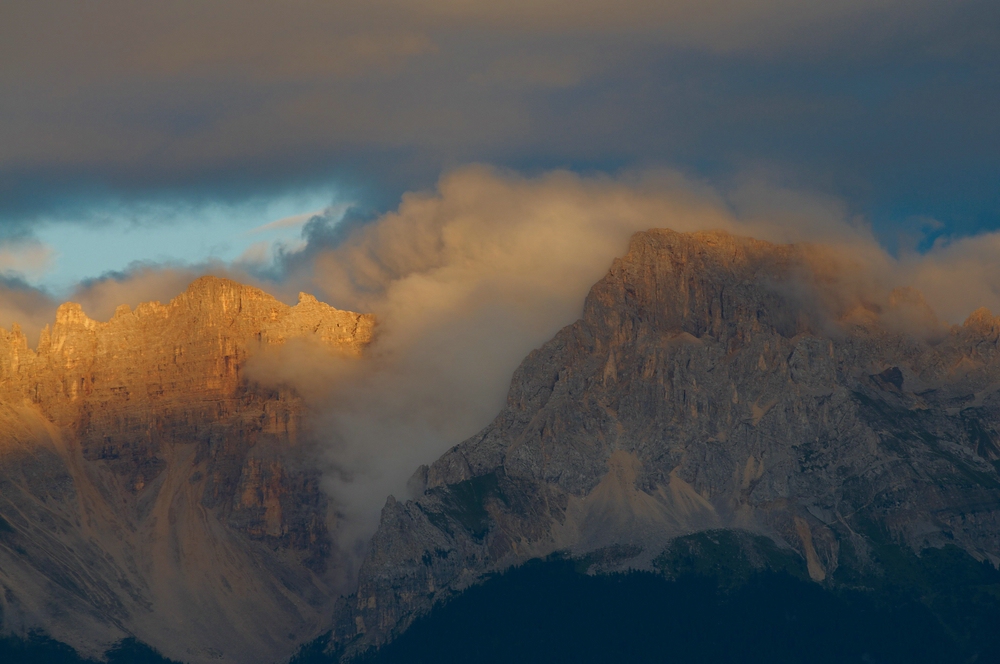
<point x="714" y="384"/>
<point x="724" y="409"/>
<point x="150" y="491"/>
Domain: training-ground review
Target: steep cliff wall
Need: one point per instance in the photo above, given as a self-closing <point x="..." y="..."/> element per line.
<point x="712" y="382"/>
<point x="148" y="488"/>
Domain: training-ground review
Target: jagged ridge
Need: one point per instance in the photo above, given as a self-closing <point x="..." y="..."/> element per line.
<point x="148" y="489"/>
<point x="713" y="382"/>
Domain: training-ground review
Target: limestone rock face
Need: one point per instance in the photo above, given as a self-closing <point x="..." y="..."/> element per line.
<point x="147" y="488"/>
<point x="712" y="382"/>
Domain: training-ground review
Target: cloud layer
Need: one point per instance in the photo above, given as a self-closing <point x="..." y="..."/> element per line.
<point x="885" y="102"/>
<point x="468" y="278"/>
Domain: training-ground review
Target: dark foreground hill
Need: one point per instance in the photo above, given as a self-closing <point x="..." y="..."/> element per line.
<point x="707" y="602"/>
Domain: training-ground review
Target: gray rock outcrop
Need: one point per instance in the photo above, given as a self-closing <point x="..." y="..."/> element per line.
<point x="712" y="382"/>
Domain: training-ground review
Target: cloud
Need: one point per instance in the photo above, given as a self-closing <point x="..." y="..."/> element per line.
<point x="468" y="278"/>
<point x="116" y="98"/>
<point x="465" y="281"/>
<point x="24" y="256"/>
<point x="301" y="40"/>
<point x="28" y="308"/>
<point x="294" y="221"/>
<point x="956" y="277"/>
<point x="20" y="303"/>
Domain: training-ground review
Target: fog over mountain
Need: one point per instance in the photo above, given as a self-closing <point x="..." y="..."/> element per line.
<point x="303" y="459"/>
<point x="467" y="278"/>
<point x="314" y="316"/>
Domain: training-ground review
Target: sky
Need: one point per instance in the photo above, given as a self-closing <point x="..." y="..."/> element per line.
<point x="169" y="132"/>
<point x="466" y="170"/>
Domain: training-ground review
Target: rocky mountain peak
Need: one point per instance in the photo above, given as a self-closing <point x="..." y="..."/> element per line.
<point x="70" y="314"/>
<point x="983" y="322"/>
<point x="203" y="335"/>
<point x="700" y="283"/>
<point x="178" y="507"/>
<point x="713" y="382"/>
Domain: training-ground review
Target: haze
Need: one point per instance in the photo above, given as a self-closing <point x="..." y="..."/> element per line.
<point x="466" y="172"/>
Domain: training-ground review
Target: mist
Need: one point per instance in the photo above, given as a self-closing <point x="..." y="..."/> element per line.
<point x="467" y="279"/>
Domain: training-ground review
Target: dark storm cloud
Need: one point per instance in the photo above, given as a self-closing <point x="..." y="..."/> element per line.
<point x="887" y="103"/>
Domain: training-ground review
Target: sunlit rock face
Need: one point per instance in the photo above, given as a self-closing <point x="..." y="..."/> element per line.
<point x="712" y="382"/>
<point x="147" y="488"/>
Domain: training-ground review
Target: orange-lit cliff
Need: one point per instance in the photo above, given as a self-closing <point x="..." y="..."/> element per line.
<point x="147" y="488"/>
